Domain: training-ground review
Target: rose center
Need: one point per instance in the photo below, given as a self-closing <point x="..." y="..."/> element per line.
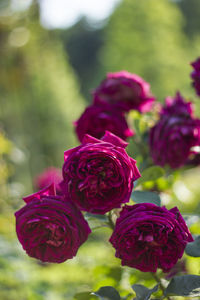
<point x="54" y="235"/>
<point x="98" y="177"/>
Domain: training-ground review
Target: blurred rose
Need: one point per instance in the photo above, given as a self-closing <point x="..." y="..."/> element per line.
<point x="48" y="176"/>
<point x="195" y="75"/>
<point x="147" y="237"/>
<point x="125" y="91"/>
<point x="50" y="229"/>
<point x="97" y="119"/>
<point x="172" y="138"/>
<point x="99" y="174"/>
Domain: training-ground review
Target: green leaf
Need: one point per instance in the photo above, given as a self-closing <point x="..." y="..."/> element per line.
<point x="84" y="296"/>
<point x="101" y="218"/>
<point x="96" y="221"/>
<point x="143" y="293"/>
<point x="193" y="248"/>
<point x="107" y="293"/>
<point x="151" y="174"/>
<point x="146" y="197"/>
<point x="186" y="285"/>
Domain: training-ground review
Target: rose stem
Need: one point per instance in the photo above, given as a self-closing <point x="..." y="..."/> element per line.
<point x="161" y="286"/>
<point x="110" y="221"/>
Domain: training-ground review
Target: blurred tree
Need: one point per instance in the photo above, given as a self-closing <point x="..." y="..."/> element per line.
<point x="39" y="94"/>
<point x="146" y="37"/>
<point x="82" y="43"/>
<point x="191" y="11"/>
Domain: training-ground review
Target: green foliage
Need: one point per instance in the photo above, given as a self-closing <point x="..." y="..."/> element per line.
<point x="146" y="37"/>
<point x="193" y="248"/>
<point x="84" y="296"/>
<point x="82" y="43"/>
<point x="191" y="11"/>
<point x="186" y="285"/>
<point x="146" y="197"/>
<point x="143" y="293"/>
<point x="39" y="93"/>
<point x="151" y="174"/>
<point x="107" y="293"/>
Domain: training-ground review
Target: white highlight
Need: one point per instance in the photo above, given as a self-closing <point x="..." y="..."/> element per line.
<point x="64" y="13"/>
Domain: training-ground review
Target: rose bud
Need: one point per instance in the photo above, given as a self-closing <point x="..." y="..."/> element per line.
<point x="148" y="237"/>
<point x="97" y="119"/>
<point x="125" y="91"/>
<point x="99" y="174"/>
<point x="195" y="75"/>
<point x="50" y="229"/>
<point x="172" y="138"/>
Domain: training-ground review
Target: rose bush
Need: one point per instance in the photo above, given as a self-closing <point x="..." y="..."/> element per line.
<point x="173" y="136"/>
<point x="125" y="91"/>
<point x="98" y="175"/>
<point x="50" y="229"/>
<point x="97" y="119"/>
<point x="147" y="237"/>
<point x="195" y="75"/>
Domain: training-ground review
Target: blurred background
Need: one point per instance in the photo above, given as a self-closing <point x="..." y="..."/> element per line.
<point x="53" y="54"/>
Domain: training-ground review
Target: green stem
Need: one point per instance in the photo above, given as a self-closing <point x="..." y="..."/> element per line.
<point x="161" y="285"/>
<point x="110" y="221"/>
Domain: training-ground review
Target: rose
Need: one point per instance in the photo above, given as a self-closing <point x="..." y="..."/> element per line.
<point x="125" y="91"/>
<point x="147" y="237"/>
<point x="48" y="176"/>
<point x="173" y="136"/>
<point x="99" y="174"/>
<point x="195" y="75"/>
<point x="50" y="229"/>
<point x="97" y="119"/>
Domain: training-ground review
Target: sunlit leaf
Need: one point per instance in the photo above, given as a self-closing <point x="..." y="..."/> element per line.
<point x="151" y="174"/>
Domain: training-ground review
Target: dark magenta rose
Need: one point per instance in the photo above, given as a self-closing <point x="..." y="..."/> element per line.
<point x="172" y="138"/>
<point x="99" y="174"/>
<point x="97" y="119"/>
<point x="148" y="237"/>
<point x="195" y="75"/>
<point x="47" y="177"/>
<point x="125" y="91"/>
<point x="50" y="229"/>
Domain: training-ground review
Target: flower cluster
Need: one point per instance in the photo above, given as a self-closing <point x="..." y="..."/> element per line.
<point x="172" y="138"/>
<point x="119" y="93"/>
<point x="98" y="176"/>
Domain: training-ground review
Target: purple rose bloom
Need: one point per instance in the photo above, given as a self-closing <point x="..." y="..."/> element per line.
<point x="99" y="174"/>
<point x="195" y="75"/>
<point x="50" y="229"/>
<point x="125" y="91"/>
<point x="147" y="237"/>
<point x="47" y="177"/>
<point x="97" y="119"/>
<point x="172" y="138"/>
